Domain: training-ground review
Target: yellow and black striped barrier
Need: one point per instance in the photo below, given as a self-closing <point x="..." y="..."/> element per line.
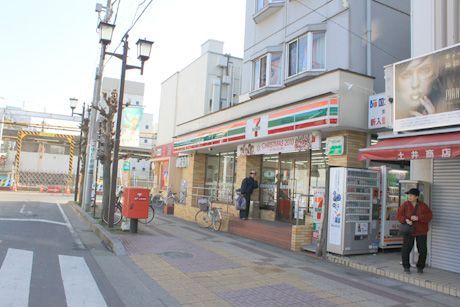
<point x="23" y="134"/>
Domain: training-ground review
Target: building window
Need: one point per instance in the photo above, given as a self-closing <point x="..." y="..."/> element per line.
<point x="267" y="70"/>
<point x="261" y="4"/>
<point x="145" y="141"/>
<point x="220" y="176"/>
<point x="307" y="53"/>
<point x="146" y="126"/>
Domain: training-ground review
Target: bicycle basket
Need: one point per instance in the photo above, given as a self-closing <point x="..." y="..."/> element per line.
<point x="203" y="203"/>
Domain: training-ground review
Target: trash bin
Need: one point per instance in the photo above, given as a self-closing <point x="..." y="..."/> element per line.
<point x="254" y="209"/>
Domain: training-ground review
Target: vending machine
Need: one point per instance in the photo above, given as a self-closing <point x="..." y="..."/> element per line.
<point x="388" y="223"/>
<point x="353" y="211"/>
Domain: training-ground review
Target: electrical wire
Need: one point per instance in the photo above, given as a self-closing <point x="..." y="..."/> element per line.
<point x="130" y="28"/>
<point x="142" y="13"/>
<point x="116" y="13"/>
<point x="391" y="7"/>
<point x="348" y="30"/>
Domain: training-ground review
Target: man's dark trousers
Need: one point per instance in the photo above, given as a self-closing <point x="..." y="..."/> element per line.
<point x="408" y="244"/>
<point x="244" y="214"/>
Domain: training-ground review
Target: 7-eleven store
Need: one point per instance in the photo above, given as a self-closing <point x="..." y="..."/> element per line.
<point x="282" y="136"/>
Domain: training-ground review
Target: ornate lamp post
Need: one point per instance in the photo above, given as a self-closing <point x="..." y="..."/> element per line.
<point x="144" y="49"/>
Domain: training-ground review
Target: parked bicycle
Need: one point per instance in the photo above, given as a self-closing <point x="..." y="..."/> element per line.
<point x="208" y="217"/>
<point x="159" y="201"/>
<point x="118" y="212"/>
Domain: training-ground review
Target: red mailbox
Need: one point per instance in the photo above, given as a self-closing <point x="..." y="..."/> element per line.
<point x="136" y="203"/>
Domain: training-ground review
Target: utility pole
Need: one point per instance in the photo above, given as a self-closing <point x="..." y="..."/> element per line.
<point x="92" y="135"/>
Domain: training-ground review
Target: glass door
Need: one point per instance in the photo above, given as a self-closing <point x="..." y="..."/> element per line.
<point x="286" y="186"/>
<point x="294" y="185"/>
<point x="268" y="182"/>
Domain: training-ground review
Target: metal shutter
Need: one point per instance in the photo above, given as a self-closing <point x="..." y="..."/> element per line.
<point x="445" y="227"/>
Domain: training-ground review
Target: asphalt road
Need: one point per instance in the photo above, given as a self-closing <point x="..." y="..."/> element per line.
<point x="49" y="257"/>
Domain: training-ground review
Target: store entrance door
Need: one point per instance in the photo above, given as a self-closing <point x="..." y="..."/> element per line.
<point x="293" y="183"/>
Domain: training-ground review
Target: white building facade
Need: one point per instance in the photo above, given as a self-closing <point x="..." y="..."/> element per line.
<point x="208" y="85"/>
<point x="308" y="69"/>
<point x="434" y="129"/>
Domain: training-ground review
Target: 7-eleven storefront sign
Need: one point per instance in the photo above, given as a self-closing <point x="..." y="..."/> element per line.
<point x="285" y="121"/>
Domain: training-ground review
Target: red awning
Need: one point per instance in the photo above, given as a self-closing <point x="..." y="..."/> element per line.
<point x="434" y="146"/>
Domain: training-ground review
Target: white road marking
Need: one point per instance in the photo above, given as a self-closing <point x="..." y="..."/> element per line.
<point x="32" y="220"/>
<point x="72" y="231"/>
<point x="22" y="211"/>
<point x="80" y="287"/>
<point x="15" y="275"/>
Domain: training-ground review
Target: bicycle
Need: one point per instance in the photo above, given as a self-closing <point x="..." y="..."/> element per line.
<point x="118" y="209"/>
<point x="208" y="217"/>
<point x="117" y="216"/>
<point x="159" y="201"/>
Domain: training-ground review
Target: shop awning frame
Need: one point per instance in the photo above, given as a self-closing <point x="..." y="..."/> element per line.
<point x="433" y="146"/>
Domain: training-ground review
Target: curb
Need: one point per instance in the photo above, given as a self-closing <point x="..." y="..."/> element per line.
<point x="420" y="282"/>
<point x="112" y="243"/>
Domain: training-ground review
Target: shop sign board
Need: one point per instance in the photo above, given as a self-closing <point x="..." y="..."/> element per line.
<point x="286" y="145"/>
<point x="182" y="162"/>
<point x="287" y="121"/>
<point x="427" y="90"/>
<point x="163" y="151"/>
<point x="335" y="146"/>
<point x="336" y="195"/>
<point x="126" y="166"/>
<point x="377" y="117"/>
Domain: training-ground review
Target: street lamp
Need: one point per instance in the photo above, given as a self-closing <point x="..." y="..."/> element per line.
<point x="106" y="32"/>
<point x="144" y="49"/>
<point x="73" y="102"/>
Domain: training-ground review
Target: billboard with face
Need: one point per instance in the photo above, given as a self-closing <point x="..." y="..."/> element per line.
<point x="427" y="91"/>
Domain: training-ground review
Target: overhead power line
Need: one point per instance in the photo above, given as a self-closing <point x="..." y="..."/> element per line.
<point x="135" y="20"/>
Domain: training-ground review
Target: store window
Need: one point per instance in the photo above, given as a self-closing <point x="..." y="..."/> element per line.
<point x="307" y="53"/>
<point x="267" y="70"/>
<point x="220" y="176"/>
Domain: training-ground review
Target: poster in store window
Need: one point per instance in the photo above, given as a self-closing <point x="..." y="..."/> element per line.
<point x="336" y="190"/>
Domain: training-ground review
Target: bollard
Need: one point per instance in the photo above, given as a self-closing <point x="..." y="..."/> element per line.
<point x="133" y="225"/>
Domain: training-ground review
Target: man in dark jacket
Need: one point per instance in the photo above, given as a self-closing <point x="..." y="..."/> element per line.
<point x="248" y="185"/>
<point x="417" y="213"/>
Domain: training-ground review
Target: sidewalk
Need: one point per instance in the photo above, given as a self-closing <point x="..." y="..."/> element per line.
<point x="199" y="267"/>
<point x="388" y="265"/>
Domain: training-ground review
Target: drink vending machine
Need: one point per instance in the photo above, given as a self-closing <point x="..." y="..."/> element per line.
<point x="389" y="200"/>
<point x="353" y="211"/>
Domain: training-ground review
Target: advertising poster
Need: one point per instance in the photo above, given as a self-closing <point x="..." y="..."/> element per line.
<point x="427" y="91"/>
<point x="336" y="190"/>
<point x="130" y="126"/>
<point x="377" y="117"/>
<point x="316" y="211"/>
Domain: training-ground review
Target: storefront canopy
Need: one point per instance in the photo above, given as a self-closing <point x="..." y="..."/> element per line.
<point x="435" y="146"/>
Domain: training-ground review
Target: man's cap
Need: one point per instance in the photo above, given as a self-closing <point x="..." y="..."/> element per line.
<point x="413" y="191"/>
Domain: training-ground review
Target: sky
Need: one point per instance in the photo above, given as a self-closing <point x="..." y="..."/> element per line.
<point x="50" y="48"/>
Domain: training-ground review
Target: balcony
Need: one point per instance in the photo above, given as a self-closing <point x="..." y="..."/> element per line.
<point x="266" y="8"/>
